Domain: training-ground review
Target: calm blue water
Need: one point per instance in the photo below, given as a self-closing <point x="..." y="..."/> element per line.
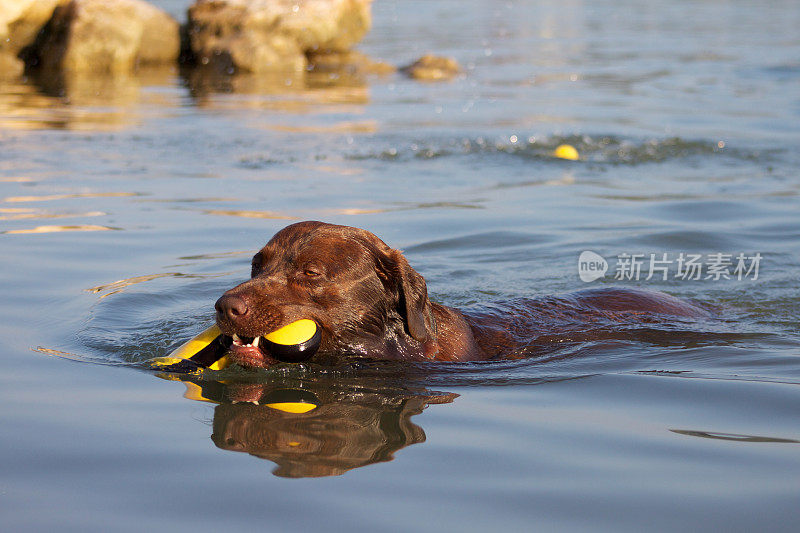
<point x="686" y="117"/>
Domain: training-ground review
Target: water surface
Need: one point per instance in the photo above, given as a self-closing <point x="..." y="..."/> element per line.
<point x="129" y="205"/>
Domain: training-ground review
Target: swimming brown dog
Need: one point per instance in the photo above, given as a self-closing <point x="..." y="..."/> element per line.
<point x="369" y="302"/>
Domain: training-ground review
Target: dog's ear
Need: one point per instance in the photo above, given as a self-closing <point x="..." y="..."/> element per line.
<point x="412" y="292"/>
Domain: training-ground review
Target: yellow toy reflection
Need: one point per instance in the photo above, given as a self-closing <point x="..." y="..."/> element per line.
<point x="314" y="430"/>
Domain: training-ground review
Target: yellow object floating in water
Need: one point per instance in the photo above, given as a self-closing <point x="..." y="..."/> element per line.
<point x="566" y="151"/>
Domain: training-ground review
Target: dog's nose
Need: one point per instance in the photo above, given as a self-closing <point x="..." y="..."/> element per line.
<point x="231" y="307"/>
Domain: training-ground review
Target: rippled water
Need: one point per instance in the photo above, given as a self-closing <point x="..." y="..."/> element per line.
<point x="129" y="205"/>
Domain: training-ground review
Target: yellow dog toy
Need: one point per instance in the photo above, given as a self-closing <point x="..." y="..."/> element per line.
<point x="292" y="343"/>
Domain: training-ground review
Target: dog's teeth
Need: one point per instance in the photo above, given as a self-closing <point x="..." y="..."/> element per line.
<point x="255" y="341"/>
<point x="236" y="338"/>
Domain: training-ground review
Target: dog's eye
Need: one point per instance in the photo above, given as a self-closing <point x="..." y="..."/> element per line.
<point x="311" y="273"/>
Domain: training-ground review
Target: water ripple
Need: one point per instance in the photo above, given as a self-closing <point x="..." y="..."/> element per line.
<point x="606" y="149"/>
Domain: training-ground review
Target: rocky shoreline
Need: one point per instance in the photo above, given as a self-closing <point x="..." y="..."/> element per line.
<point x="97" y="37"/>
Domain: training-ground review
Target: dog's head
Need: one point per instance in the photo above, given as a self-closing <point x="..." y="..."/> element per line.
<point x="363" y="295"/>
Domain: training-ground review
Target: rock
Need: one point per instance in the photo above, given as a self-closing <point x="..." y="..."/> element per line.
<point x="10" y="66"/>
<point x="98" y="36"/>
<point x="433" y="68"/>
<point x="20" y="22"/>
<point x="264" y="35"/>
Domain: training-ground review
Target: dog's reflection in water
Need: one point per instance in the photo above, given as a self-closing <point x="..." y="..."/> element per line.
<point x="312" y="431"/>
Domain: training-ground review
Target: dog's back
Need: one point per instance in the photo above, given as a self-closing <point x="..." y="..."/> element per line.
<point x="527" y="326"/>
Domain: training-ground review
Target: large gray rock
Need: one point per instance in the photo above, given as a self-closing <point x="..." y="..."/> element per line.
<point x="20" y="21"/>
<point x="268" y="35"/>
<point x="100" y="36"/>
